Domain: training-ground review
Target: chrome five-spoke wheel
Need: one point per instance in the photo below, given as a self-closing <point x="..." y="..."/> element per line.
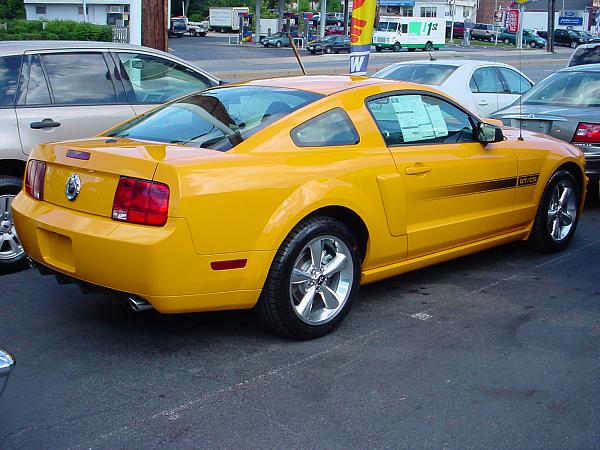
<point x="321" y="279"/>
<point x="562" y="211"/>
<point x="313" y="279"/>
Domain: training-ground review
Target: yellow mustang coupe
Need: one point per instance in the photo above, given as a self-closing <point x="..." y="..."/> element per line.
<point x="286" y="194"/>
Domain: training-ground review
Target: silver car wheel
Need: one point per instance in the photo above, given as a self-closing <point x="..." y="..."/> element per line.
<point x="321" y="280"/>
<point x="562" y="210"/>
<point x="10" y="245"/>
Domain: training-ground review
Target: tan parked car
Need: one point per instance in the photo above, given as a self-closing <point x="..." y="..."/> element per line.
<point x="60" y="90"/>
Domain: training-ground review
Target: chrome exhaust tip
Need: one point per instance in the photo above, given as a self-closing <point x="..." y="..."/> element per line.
<point x="139" y="304"/>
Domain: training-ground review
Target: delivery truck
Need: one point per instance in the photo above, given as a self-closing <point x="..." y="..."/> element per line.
<point x="226" y="19"/>
<point x="395" y="33"/>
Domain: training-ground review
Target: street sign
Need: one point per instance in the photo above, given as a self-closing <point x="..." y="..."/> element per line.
<point x="512" y="20"/>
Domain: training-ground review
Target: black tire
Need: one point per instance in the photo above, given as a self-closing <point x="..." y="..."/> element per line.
<point x="278" y="44"/>
<point x="532" y="44"/>
<point x="194" y="34"/>
<point x="9" y="187"/>
<point x="541" y="238"/>
<point x="396" y="47"/>
<point x="377" y="49"/>
<point x="276" y="307"/>
<point x="428" y="46"/>
<point x="506" y="41"/>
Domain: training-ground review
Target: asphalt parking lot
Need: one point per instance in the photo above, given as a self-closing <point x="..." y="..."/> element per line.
<point x="495" y="350"/>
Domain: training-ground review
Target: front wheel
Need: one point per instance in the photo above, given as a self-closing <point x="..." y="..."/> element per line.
<point x="312" y="281"/>
<point x="328" y="50"/>
<point x="396" y="47"/>
<point x="12" y="254"/>
<point x="557" y="215"/>
<point x="573" y="44"/>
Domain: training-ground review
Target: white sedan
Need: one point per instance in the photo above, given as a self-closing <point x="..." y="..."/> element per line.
<point x="483" y="87"/>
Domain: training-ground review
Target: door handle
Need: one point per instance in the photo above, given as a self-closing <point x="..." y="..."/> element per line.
<point x="46" y="123"/>
<point x="416" y="170"/>
<point x="483" y="103"/>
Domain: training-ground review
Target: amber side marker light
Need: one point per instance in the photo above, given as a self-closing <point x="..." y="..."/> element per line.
<point x="34" y="179"/>
<point x="141" y="201"/>
<point x="230" y="264"/>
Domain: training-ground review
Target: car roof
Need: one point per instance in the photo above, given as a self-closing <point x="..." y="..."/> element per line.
<point x="320" y="84"/>
<point x="582" y="68"/>
<point x="459" y="62"/>
<point x="19" y="47"/>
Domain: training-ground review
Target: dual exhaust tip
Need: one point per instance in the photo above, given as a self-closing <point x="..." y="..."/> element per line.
<point x="139" y="304"/>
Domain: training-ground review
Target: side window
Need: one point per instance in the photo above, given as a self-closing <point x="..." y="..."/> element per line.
<point x="37" y="92"/>
<point x="420" y="119"/>
<point x="79" y="79"/>
<point x="10" y="66"/>
<point x="328" y="129"/>
<point x="158" y="80"/>
<point x="404" y="28"/>
<point x="487" y="80"/>
<point x="517" y="84"/>
<point x="473" y="85"/>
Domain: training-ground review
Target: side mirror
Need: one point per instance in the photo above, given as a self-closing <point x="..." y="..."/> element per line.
<point x="7" y="362"/>
<point x="488" y="133"/>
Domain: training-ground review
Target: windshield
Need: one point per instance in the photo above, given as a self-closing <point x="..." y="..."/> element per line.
<point x="387" y="26"/>
<point x="217" y="118"/>
<point x="432" y="74"/>
<point x="579" y="89"/>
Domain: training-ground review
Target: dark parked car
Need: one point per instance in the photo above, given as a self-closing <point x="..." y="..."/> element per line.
<point x="459" y="29"/>
<point x="585" y="54"/>
<point x="7" y="362"/>
<point x="330" y="44"/>
<point x="530" y="38"/>
<point x="178" y="28"/>
<point x="572" y="38"/>
<point x="484" y="32"/>
<point x="565" y="105"/>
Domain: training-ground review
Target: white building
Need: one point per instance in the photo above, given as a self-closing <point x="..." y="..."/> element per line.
<point x="463" y="10"/>
<point x="100" y="12"/>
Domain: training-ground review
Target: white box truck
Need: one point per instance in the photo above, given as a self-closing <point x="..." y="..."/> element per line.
<point x="395" y="32"/>
<point x="226" y="19"/>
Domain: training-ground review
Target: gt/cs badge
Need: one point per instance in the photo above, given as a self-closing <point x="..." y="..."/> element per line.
<point x="73" y="187"/>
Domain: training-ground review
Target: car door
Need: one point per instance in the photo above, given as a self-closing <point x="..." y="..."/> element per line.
<point x="515" y="85"/>
<point x="456" y="190"/>
<point x="151" y="80"/>
<point x="68" y="95"/>
<point x="485" y="86"/>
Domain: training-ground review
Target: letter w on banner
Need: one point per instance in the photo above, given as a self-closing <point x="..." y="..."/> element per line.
<point x="361" y="33"/>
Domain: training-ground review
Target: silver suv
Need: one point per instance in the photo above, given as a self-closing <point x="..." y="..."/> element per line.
<point x="58" y="90"/>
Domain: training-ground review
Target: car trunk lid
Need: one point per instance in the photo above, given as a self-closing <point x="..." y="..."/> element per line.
<point x="98" y="164"/>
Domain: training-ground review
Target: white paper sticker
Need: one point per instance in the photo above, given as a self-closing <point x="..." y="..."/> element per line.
<point x="413" y="117"/>
<point x="437" y="120"/>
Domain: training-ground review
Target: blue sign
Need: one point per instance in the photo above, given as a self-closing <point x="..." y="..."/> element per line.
<point x="572" y="21"/>
<point x="397" y="2"/>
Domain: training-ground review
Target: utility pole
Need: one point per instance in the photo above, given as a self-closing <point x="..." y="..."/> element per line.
<point x="155" y="24"/>
<point x="550" y="43"/>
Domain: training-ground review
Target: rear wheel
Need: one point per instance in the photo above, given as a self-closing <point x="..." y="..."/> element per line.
<point x="278" y="44"/>
<point x="532" y="44"/>
<point x="428" y="46"/>
<point x="507" y="41"/>
<point x="328" y="50"/>
<point x="12" y="254"/>
<point x="313" y="280"/>
<point x="557" y="215"/>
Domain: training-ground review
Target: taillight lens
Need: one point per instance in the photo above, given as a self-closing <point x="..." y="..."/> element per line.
<point x="34" y="179"/>
<point x="141" y="201"/>
<point x="587" y="133"/>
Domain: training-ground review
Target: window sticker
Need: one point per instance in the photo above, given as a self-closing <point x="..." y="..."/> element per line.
<point x="413" y="118"/>
<point x="437" y="120"/>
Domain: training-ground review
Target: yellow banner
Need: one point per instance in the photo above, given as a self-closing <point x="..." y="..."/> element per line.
<point x="363" y="19"/>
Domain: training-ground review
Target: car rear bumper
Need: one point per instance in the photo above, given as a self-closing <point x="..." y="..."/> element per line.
<point x="158" y="264"/>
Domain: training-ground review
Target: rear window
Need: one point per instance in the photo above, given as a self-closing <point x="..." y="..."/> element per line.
<point x="9" y="76"/>
<point x="432" y="74"/>
<point x="217" y="118"/>
<point x="579" y="89"/>
<point x="589" y="55"/>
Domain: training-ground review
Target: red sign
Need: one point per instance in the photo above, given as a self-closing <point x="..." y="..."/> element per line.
<point x="512" y="20"/>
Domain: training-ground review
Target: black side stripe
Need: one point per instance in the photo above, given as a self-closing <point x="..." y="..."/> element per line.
<point x="474" y="188"/>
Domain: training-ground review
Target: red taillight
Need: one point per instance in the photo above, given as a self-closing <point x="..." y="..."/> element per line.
<point x="141" y="201"/>
<point x="587" y="133"/>
<point x="34" y="179"/>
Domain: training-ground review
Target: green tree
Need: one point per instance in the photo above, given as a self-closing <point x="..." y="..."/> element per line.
<point x="12" y="9"/>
